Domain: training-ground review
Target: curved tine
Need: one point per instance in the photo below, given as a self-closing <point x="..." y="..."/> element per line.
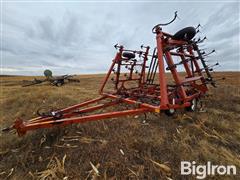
<point x="207" y="54"/>
<point x="174" y="18"/>
<point x="165" y="24"/>
<point x="201" y="40"/>
<point x="198" y="26"/>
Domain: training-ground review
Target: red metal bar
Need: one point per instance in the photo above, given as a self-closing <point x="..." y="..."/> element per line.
<point x="175" y="74"/>
<point x="118" y="62"/>
<point x="74" y="113"/>
<point x="81" y="104"/>
<point x="117" y="57"/>
<point x="162" y="79"/>
<point x="124" y="80"/>
<point x="190" y="50"/>
<point x="187" y="80"/>
<point x="131" y="101"/>
<point x="90" y="109"/>
<point x="167" y="34"/>
<point x="131" y="64"/>
<point x="176" y="42"/>
<point x="23" y="127"/>
<point x="185" y="63"/>
<point x="68" y="109"/>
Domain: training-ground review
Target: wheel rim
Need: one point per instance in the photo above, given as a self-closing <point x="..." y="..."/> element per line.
<point x="194" y="104"/>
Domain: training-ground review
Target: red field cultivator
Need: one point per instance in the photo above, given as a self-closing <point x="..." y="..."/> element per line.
<point x="139" y="79"/>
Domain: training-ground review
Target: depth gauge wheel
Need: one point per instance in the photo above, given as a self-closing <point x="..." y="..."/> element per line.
<point x="170" y="112"/>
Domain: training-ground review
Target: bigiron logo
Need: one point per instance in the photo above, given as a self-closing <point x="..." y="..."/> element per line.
<point x="202" y="171"/>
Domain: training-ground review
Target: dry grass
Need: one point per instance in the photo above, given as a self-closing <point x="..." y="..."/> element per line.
<point x="116" y="148"/>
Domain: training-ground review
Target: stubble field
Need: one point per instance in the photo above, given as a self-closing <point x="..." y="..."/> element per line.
<point x="117" y="148"/>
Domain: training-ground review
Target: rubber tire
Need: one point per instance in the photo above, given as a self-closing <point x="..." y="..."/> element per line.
<point x="128" y="55"/>
<point x="170" y="112"/>
<point x="185" y="34"/>
<point x="193" y="105"/>
<point x="58" y="83"/>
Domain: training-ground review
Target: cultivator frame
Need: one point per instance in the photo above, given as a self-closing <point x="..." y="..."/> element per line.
<point x="151" y="92"/>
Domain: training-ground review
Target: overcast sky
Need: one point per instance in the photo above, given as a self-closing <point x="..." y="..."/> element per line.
<point x="72" y="37"/>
